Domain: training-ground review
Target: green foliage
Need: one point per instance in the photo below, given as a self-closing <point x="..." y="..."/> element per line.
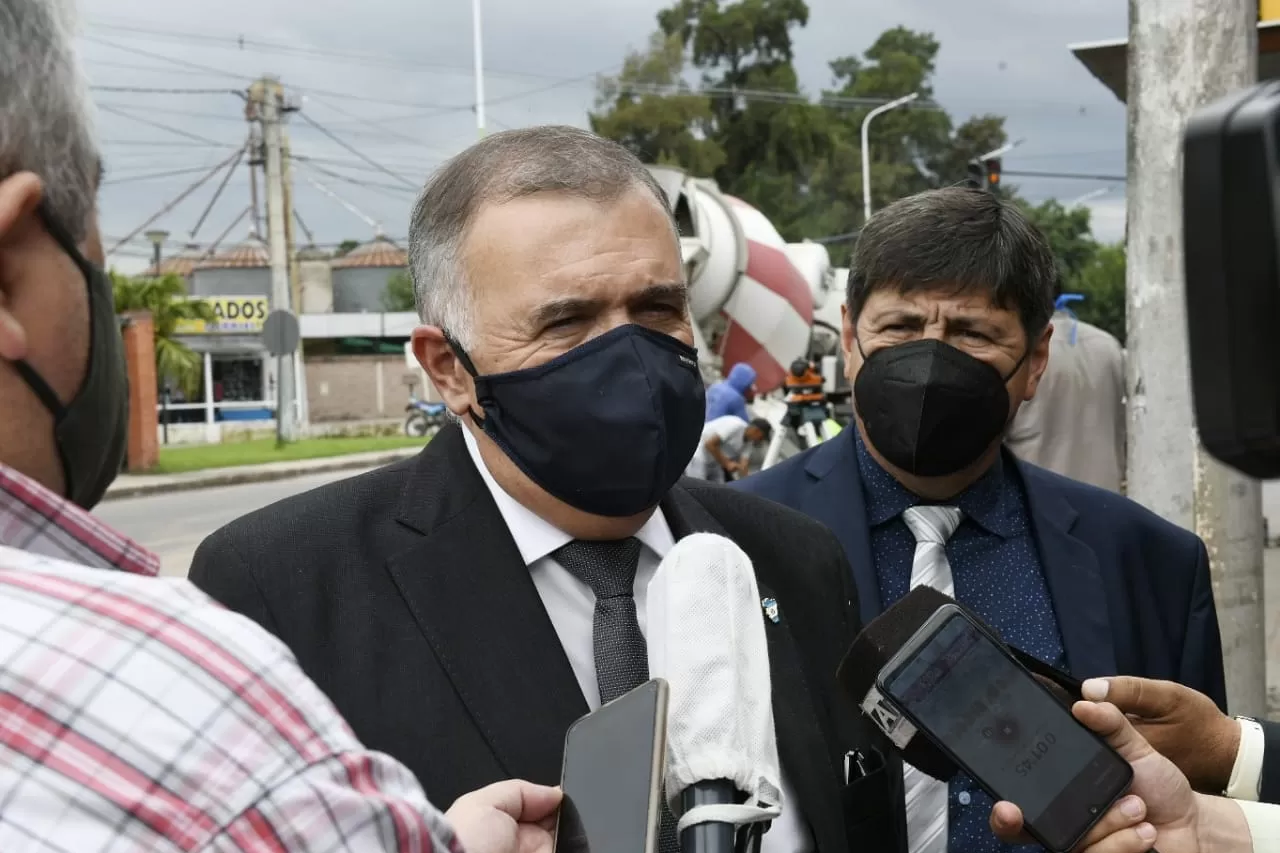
<point x="344" y="247"/>
<point x="399" y="293"/>
<point x="798" y="159"/>
<point x="1096" y="271"/>
<point x="1101" y="280"/>
<point x="166" y="298"/>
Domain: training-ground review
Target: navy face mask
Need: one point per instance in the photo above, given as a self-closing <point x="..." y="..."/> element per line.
<point x="608" y="427"/>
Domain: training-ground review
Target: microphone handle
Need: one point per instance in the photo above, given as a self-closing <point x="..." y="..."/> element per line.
<point x="708" y="837"/>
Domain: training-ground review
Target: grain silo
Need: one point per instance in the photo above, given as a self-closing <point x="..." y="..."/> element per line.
<point x="360" y="277"/>
<point x="315" y="280"/>
<point x="242" y="270"/>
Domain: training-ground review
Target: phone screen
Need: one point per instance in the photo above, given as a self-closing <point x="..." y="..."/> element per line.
<point x="613" y="761"/>
<point x="1006" y="730"/>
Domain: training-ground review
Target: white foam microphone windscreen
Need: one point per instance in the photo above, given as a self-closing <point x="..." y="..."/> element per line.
<point x="707" y="639"/>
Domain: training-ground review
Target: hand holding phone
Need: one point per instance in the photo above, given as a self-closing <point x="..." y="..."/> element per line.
<point x="612" y="777"/>
<point x="961" y="688"/>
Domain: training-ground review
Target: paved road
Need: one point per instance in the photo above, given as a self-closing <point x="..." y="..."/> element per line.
<point x="174" y="524"/>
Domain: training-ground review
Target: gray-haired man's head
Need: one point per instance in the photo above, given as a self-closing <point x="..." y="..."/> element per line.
<point x="528" y="244"/>
<point x="49" y="167"/>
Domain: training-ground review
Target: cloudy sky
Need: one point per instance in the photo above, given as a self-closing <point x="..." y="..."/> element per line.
<point x="392" y="80"/>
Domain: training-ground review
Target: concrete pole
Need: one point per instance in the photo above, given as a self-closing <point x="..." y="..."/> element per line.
<point x="1183" y="54"/>
<point x="277" y="244"/>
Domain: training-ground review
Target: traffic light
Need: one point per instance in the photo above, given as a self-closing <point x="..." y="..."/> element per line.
<point x="992" y="173"/>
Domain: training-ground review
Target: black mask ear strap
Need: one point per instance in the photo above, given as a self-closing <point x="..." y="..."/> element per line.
<point x="461" y="354"/>
<point x="468" y="366"/>
<point x="1025" y="355"/>
<point x="41" y="389"/>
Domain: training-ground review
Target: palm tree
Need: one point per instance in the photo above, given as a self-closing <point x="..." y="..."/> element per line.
<point x="166" y="298"/>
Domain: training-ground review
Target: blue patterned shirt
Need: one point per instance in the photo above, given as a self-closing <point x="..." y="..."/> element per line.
<point x="997" y="574"/>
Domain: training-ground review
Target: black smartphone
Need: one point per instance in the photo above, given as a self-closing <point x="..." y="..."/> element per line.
<point x="614" y="760"/>
<point x="966" y="693"/>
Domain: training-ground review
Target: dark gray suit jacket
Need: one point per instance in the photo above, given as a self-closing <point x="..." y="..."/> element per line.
<point x="402" y="594"/>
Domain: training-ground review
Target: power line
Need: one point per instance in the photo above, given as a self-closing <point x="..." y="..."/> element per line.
<point x="309" y="120"/>
<point x="176" y="201"/>
<point x="1065" y="176"/>
<point x="181" y="62"/>
<point x="117" y="111"/>
<point x="126" y="179"/>
<point x="168" y="143"/>
<point x="226" y="179"/>
<point x="173" y="112"/>
<point x="357" y="182"/>
<point x="147" y="90"/>
<point x="369" y="59"/>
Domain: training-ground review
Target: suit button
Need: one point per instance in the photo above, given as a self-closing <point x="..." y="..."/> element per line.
<point x="964" y="798"/>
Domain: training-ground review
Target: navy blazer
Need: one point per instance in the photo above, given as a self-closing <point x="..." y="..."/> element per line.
<point x="1131" y="591"/>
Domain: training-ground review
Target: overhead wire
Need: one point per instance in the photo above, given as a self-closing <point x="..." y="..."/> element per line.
<point x="178" y="199"/>
<point x="226" y="179"/>
<point x="151" y="90"/>
<point x="196" y="137"/>
<point x="309" y="120"/>
<point x="127" y="179"/>
<point x="348" y="179"/>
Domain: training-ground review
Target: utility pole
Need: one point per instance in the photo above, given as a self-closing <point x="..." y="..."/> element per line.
<point x="1183" y="54"/>
<point x="270" y="95"/>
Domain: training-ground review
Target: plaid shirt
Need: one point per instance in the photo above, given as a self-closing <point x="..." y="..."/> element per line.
<point x="136" y="714"/>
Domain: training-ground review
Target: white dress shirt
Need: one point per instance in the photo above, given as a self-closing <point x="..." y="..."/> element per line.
<point x="571" y="605"/>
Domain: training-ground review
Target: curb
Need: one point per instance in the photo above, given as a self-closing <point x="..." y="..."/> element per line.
<point x="240" y="477"/>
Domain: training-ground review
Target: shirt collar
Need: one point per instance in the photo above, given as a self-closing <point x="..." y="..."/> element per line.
<point x="36" y="520"/>
<point x="536" y="537"/>
<point x="990" y="502"/>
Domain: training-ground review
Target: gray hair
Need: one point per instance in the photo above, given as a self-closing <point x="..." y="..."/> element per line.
<point x="45" y="125"/>
<point x="501" y="168"/>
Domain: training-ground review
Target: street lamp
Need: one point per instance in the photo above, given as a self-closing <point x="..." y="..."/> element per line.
<point x="157" y="239"/>
<point x="866" y="156"/>
<point x="1089" y="196"/>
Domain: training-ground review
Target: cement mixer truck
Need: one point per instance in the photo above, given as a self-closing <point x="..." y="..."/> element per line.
<point x="754" y="297"/>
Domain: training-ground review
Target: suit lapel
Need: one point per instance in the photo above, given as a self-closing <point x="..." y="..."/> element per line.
<point x="1073" y="577"/>
<point x="801" y="746"/>
<point x="475" y="603"/>
<point x="835" y="498"/>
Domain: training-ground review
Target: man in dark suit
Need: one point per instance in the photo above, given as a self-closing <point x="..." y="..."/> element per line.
<point x="946" y="333"/>
<point x="463" y="608"/>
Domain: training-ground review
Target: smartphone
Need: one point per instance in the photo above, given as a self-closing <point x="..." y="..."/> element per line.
<point x="614" y="760"/>
<point x="962" y="688"/>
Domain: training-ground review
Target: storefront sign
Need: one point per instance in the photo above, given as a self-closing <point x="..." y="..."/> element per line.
<point x="236" y="315"/>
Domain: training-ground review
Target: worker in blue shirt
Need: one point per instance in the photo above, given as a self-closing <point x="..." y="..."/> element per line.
<point x="729" y="396"/>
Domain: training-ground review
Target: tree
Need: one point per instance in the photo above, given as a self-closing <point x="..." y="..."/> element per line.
<point x="650" y="109"/>
<point x="398" y="295"/>
<point x="1068" y="233"/>
<point x="344" y="247"/>
<point x="167" y="300"/>
<point x="1101" y="281"/>
<point x="751" y="128"/>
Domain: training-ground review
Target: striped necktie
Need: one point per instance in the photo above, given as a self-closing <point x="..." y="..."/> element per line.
<point x="926" y="797"/>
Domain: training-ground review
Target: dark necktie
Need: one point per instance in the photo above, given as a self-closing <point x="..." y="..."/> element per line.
<point x="621" y="655"/>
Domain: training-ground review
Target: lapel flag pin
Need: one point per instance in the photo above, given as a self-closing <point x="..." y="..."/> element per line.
<point x="770" y="606"/>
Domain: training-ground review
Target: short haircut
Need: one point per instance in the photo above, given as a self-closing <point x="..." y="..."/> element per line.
<point x="44" y="109"/>
<point x="766" y="428"/>
<point x="958" y="239"/>
<point x="501" y="168"/>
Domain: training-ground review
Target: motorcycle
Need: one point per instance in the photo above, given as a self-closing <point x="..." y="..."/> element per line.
<point x="424" y="419"/>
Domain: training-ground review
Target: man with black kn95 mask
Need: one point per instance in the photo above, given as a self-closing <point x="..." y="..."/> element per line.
<point x="946" y="332"/>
